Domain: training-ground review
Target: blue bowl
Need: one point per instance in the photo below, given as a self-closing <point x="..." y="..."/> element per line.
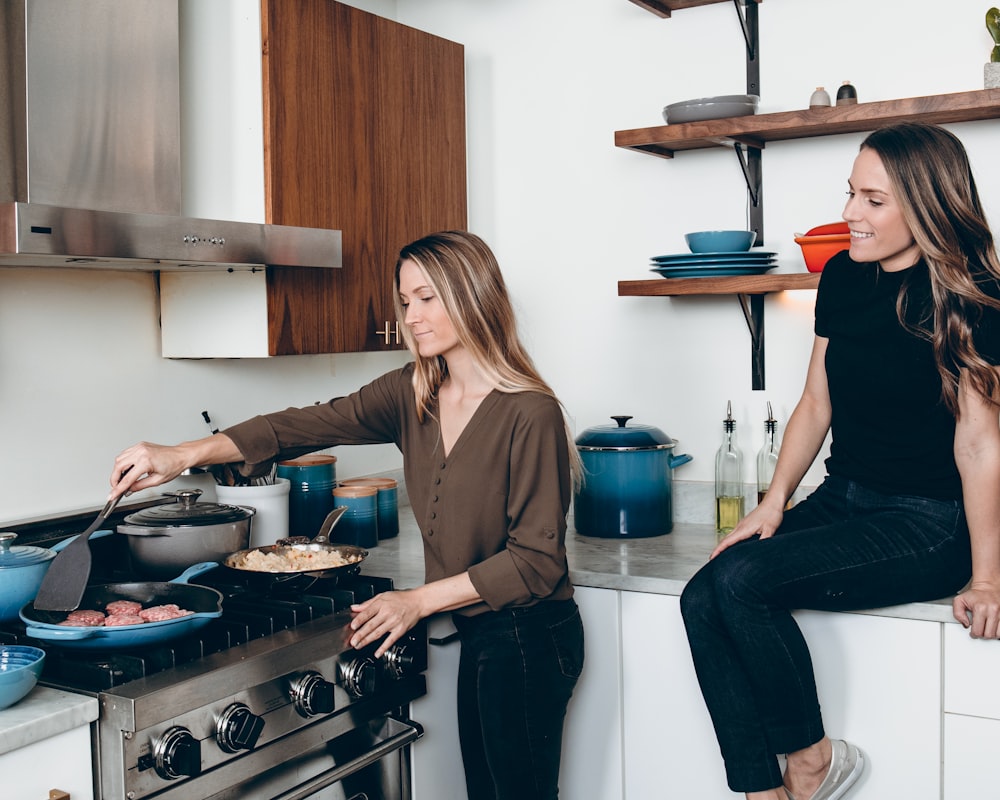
<point x="720" y="241"/>
<point x="20" y="667"/>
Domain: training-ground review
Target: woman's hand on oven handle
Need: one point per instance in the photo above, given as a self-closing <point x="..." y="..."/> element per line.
<point x="146" y="464"/>
<point x="391" y="614"/>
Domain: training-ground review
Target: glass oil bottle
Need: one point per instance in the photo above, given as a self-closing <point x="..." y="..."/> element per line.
<point x="767" y="456"/>
<point x="728" y="479"/>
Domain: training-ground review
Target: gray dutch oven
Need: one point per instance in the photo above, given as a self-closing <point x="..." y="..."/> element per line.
<point x="167" y="539"/>
<point x="628" y="481"/>
<point x="22" y="568"/>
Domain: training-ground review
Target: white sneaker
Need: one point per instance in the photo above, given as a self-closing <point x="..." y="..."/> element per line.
<point x="846" y="766"/>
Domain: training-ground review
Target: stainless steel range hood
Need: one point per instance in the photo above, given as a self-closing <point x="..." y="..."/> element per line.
<point x="90" y="161"/>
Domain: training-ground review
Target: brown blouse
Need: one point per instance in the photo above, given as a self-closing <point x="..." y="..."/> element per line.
<point x="496" y="505"/>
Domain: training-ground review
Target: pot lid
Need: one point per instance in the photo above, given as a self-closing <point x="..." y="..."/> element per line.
<point x="187" y="511"/>
<point x="622" y="436"/>
<point x="12" y="555"/>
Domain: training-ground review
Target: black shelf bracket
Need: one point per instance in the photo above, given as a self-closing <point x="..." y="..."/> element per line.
<point x="751" y="163"/>
<point x="753" y="312"/>
<point x="753" y="173"/>
<point x="748" y="14"/>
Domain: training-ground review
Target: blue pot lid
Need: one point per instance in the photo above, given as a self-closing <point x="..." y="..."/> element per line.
<point x="12" y="555"/>
<point x="622" y="436"/>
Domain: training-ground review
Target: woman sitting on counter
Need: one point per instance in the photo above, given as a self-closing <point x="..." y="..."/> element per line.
<point x="490" y="466"/>
<point x="903" y="373"/>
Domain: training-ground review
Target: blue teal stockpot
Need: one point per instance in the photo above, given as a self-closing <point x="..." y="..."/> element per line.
<point x="627" y="490"/>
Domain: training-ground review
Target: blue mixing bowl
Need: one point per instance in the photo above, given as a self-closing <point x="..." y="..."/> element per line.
<point x="720" y="241"/>
<point x="20" y="667"/>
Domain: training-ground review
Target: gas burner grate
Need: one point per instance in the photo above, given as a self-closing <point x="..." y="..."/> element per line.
<point x="247" y="614"/>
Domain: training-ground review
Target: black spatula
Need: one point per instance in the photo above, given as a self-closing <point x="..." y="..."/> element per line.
<point x="63" y="585"/>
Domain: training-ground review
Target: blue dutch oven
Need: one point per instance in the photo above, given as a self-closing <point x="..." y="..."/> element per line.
<point x="22" y="568"/>
<point x="627" y="490"/>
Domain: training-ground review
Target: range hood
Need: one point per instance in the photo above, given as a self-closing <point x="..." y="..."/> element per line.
<point x="90" y="161"/>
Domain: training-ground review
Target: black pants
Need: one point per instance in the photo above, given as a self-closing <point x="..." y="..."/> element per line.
<point x="516" y="675"/>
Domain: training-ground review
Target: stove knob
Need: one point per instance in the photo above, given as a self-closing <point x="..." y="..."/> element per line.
<point x="312" y="694"/>
<point x="360" y="676"/>
<point x="177" y="753"/>
<point x="398" y="661"/>
<point x="238" y="728"/>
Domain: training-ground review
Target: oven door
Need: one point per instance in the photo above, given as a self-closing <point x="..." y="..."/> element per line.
<point x="368" y="762"/>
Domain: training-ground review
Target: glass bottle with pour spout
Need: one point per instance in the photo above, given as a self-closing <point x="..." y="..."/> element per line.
<point x="767" y="456"/>
<point x="728" y="479"/>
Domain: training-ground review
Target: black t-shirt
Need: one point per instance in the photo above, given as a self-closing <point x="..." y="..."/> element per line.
<point x="891" y="430"/>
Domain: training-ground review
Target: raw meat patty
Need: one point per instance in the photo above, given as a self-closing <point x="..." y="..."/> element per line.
<point x="85" y="618"/>
<point x="115" y="620"/>
<point x="164" y="612"/>
<point x="123" y="607"/>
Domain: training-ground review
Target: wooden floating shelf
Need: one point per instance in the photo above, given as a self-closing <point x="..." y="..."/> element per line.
<point x="739" y="284"/>
<point x="758" y="129"/>
<point x="663" y="8"/>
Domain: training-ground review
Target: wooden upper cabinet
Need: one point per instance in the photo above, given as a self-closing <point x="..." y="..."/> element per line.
<point x="364" y="132"/>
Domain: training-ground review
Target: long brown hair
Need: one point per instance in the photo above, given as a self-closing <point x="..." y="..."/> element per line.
<point x="932" y="179"/>
<point x="465" y="276"/>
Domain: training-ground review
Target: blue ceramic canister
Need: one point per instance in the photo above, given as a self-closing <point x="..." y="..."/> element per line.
<point x="359" y="525"/>
<point x="388" y="503"/>
<point x="627" y="487"/>
<point x="310" y="497"/>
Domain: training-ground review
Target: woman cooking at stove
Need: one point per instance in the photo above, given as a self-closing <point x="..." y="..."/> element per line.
<point x="490" y="466"/>
<point x="903" y="373"/>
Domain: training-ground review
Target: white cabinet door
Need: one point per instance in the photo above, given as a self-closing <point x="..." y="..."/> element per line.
<point x="60" y="762"/>
<point x="592" y="744"/>
<point x="670" y="749"/>
<point x="971" y="745"/>
<point x="879" y="682"/>
<point x="437" y="757"/>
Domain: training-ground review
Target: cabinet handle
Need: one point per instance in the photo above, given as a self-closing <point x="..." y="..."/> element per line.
<point x="387" y="333"/>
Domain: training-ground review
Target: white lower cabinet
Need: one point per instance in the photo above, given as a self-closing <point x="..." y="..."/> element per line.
<point x="60" y="762"/>
<point x="879" y="683"/>
<point x="972" y="715"/>
<point x="592" y="743"/>
<point x="437" y="757"/>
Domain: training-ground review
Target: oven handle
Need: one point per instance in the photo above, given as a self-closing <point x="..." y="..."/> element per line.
<point x="410" y="733"/>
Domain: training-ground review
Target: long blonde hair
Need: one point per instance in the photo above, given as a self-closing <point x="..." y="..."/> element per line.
<point x="932" y="179"/>
<point x="465" y="276"/>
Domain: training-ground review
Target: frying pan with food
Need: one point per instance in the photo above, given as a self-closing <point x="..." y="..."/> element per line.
<point x="204" y="602"/>
<point x="296" y="556"/>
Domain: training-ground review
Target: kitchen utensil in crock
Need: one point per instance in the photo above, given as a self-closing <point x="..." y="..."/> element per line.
<point x="22" y="568"/>
<point x="204" y="601"/>
<point x="64" y="582"/>
<point x="165" y="539"/>
<point x="627" y="489"/>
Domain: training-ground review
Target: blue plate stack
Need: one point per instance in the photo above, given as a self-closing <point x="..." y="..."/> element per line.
<point x="710" y="265"/>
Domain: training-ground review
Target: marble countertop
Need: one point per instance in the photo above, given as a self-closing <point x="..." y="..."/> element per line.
<point x="44" y="713"/>
<point x="657" y="565"/>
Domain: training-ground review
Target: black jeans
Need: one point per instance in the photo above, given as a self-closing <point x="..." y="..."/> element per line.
<point x="516" y="675"/>
<point x="843" y="548"/>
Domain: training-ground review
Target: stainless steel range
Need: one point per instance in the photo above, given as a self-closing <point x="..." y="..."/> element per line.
<point x="268" y="701"/>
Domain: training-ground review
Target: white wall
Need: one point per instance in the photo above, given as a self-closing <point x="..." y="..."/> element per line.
<point x="569" y="214"/>
<point x="549" y="81"/>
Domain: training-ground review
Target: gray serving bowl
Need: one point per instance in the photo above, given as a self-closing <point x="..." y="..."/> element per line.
<point x="727" y="105"/>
